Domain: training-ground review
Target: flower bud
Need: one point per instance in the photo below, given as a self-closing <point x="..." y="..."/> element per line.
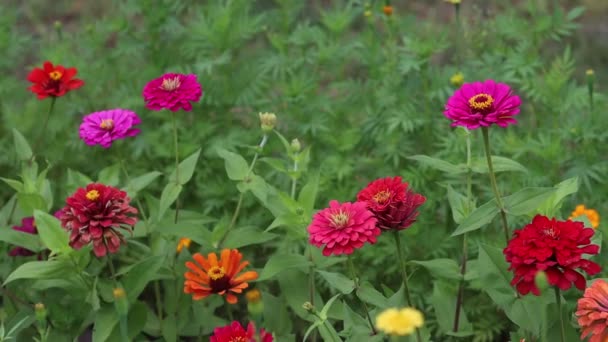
<point x="40" y="311"/>
<point x="120" y="301"/>
<point x="268" y="121"/>
<point x="540" y="279"/>
<point x="295" y="145"/>
<point x="457" y="79"/>
<point x="367" y="13"/>
<point x="255" y="306"/>
<point x="388" y="10"/>
<point x="58" y="25"/>
<point x="308" y="307"/>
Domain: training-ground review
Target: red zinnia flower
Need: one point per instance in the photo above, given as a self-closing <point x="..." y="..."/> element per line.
<point x="94" y="214"/>
<point x="210" y="275"/>
<point x="592" y="312"/>
<point x="342" y="228"/>
<point x="394" y="205"/>
<point x="172" y="91"/>
<point x="53" y="80"/>
<point x="27" y="226"/>
<point x="555" y="247"/>
<point x="236" y="333"/>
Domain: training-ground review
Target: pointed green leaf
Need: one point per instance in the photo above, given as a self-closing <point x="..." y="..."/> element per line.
<point x="52" y="235"/>
<point x="441" y="268"/>
<point x="109" y="175"/>
<point x="338" y="281"/>
<point x="439" y="164"/>
<point x="527" y="200"/>
<point x="308" y="194"/>
<point x="500" y="164"/>
<point x="246" y="237"/>
<point x="23" y="149"/>
<point x="236" y="166"/>
<point x="478" y="218"/>
<point x="139" y="275"/>
<point x="281" y="262"/>
<point x="185" y="169"/>
<point x="15" y="184"/>
<point x="51" y="269"/>
<point x="167" y="197"/>
<point x="139" y="183"/>
<point x="369" y="294"/>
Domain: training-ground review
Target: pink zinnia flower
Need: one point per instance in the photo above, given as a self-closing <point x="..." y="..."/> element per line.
<point x="236" y="333"/>
<point x="173" y="92"/>
<point x="592" y="312"/>
<point x="102" y="128"/>
<point x="343" y="227"/>
<point x="27" y="226"/>
<point x="481" y="104"/>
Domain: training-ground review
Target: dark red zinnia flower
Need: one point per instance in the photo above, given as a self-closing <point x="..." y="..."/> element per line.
<point x="236" y="333"/>
<point x="53" y="80"/>
<point x="27" y="226"/>
<point x="555" y="247"/>
<point x="393" y="204"/>
<point x="94" y="214"/>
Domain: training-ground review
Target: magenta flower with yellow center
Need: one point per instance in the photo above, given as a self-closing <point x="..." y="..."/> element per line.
<point x="342" y="228"/>
<point x="102" y="128"/>
<point x="592" y="312"/>
<point x="482" y="104"/>
<point x="172" y="91"/>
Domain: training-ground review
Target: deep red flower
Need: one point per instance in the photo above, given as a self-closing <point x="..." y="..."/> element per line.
<point x="27" y="226"/>
<point x="53" y="81"/>
<point x="236" y="333"/>
<point x="393" y="204"/>
<point x="94" y="214"/>
<point x="555" y="247"/>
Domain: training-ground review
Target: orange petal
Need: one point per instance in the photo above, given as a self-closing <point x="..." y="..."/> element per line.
<point x="192" y="266"/>
<point x="212" y="257"/>
<point x="231" y="299"/>
<point x="202" y="261"/>
<point x="225" y="259"/>
<point x="247" y="276"/>
<point x="241" y="266"/>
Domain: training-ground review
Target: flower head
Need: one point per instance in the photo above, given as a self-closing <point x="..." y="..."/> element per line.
<point x="183" y="243"/>
<point x="27" y="226"/>
<point x="236" y="333"/>
<point x="210" y="275"/>
<point x="173" y="92"/>
<point x="388" y="10"/>
<point x="555" y="247"/>
<point x="592" y="312"/>
<point x="95" y="214"/>
<point x="393" y="204"/>
<point x="342" y="228"/>
<point x="102" y="128"/>
<point x="591" y="214"/>
<point x="457" y="79"/>
<point x="54" y="81"/>
<point x="399" y="322"/>
<point x="268" y="121"/>
<point x="481" y="104"/>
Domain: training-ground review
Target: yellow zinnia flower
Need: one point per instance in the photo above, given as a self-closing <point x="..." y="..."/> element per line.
<point x="592" y="215"/>
<point x="399" y="322"/>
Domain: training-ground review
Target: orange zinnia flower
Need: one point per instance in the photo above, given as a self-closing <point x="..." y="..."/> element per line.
<point x="210" y="275"/>
<point x="592" y="312"/>
<point x="183" y="243"/>
<point x="592" y="215"/>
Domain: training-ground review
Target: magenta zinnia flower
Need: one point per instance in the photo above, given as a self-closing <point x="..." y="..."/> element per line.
<point x="173" y="92"/>
<point x="236" y="333"/>
<point x="102" y="128"/>
<point x="481" y="104"/>
<point x="342" y="228"/>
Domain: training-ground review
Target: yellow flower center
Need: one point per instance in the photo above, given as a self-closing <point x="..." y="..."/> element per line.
<point x="216" y="272"/>
<point x="340" y="219"/>
<point x="55" y="75"/>
<point x="170" y="84"/>
<point x="107" y="124"/>
<point x="481" y="101"/>
<point x="92" y="195"/>
<point x="382" y="196"/>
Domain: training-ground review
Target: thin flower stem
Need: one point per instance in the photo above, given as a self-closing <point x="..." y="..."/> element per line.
<point x="237" y="210"/>
<point x="463" y="266"/>
<point x="175" y="143"/>
<point x="159" y="303"/>
<point x="42" y="134"/>
<point x="558" y="299"/>
<point x="111" y="266"/>
<point x="294" y="180"/>
<point x="501" y="206"/>
<point x="353" y="272"/>
<point x="228" y="311"/>
<point x="406" y="288"/>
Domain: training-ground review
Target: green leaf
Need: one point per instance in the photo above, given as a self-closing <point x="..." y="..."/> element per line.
<point x="441" y="268"/>
<point x="15" y="184"/>
<point x="105" y="321"/>
<point x="439" y="164"/>
<point x="255" y="184"/>
<point x="51" y="234"/>
<point x="29" y="202"/>
<point x="527" y="200"/>
<point x="308" y="194"/>
<point x="139" y="275"/>
<point x="527" y="311"/>
<point x="369" y="294"/>
<point x="236" y="166"/>
<point x="17" y="238"/>
<point x="138" y="314"/>
<point x="77" y="180"/>
<point x="444" y="304"/>
<point x="494" y="274"/>
<point x="193" y="229"/>
<point x="553" y="204"/>
<point x="275" y="163"/>
<point x="281" y="262"/>
<point x="109" y="175"/>
<point x="458" y="204"/>
<point x="168" y="196"/>
<point x="22" y="148"/>
<point x="338" y="281"/>
<point x="139" y="183"/>
<point x="170" y="328"/>
<point x="247" y="236"/>
<point x="185" y="169"/>
<point x="478" y="218"/>
<point x="51" y="269"/>
<point x="500" y="164"/>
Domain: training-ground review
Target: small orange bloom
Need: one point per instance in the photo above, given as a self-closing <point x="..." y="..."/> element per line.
<point x="592" y="312"/>
<point x="592" y="215"/>
<point x="183" y="243"/>
<point x="388" y="10"/>
<point x="210" y="275"/>
<point x="253" y="296"/>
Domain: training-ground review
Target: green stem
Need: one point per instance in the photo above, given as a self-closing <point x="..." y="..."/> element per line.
<point x="406" y="288"/>
<point x="501" y="206"/>
<point x="228" y="311"/>
<point x="294" y="180"/>
<point x="42" y="134"/>
<point x="176" y="146"/>
<point x="111" y="266"/>
<point x="353" y="272"/>
<point x="159" y="303"/>
<point x="558" y="299"/>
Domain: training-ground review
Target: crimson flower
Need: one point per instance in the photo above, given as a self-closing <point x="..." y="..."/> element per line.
<point x="94" y="214"/>
<point x="555" y="247"/>
<point x="173" y="92"/>
<point x="342" y="228"/>
<point x="236" y="333"/>
<point x="393" y="204"/>
<point x="54" y="81"/>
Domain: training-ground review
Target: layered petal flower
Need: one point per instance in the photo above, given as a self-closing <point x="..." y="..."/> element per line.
<point x="236" y="333"/>
<point x="209" y="275"/>
<point x="102" y="128"/>
<point x="592" y="312"/>
<point x="53" y="80"/>
<point x="555" y="247"/>
<point x="342" y="228"/>
<point x="592" y="215"/>
<point x="172" y="91"/>
<point x="399" y="322"/>
<point x="482" y="104"/>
